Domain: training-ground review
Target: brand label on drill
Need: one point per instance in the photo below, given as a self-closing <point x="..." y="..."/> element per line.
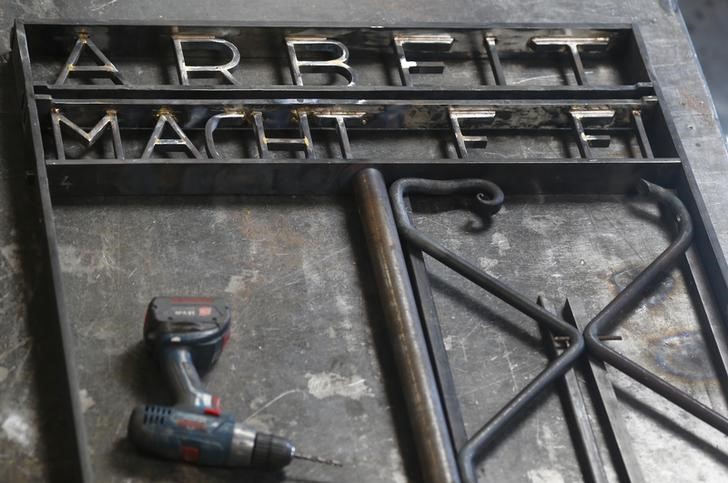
<point x="185" y="312"/>
<point x="191" y="424"/>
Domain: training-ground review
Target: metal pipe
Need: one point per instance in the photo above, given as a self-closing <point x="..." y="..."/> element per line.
<point x="424" y="407"/>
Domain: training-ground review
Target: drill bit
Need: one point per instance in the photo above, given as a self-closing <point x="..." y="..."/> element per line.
<point x="316" y="459"/>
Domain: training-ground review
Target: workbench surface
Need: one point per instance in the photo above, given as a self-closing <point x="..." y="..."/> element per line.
<point x="309" y="357"/>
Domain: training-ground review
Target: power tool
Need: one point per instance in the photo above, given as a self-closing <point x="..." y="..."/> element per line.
<point x="187" y="335"/>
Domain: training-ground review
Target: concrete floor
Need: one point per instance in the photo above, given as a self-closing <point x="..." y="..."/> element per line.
<point x="707" y="21"/>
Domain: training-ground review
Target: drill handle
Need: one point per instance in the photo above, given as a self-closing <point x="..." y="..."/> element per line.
<point x="182" y="375"/>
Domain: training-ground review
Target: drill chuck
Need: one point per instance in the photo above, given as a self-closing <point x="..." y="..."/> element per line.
<point x="205" y="439"/>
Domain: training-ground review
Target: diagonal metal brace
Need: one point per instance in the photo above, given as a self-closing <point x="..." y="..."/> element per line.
<point x="490" y="199"/>
<point x="593" y="333"/>
<point x="609" y="316"/>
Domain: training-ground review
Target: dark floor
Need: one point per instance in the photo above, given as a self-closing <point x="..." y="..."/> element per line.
<point x="707" y="21"/>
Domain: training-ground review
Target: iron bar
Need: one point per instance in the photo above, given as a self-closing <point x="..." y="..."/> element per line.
<point x="433" y="333"/>
<point x="424" y="407"/>
<point x="330" y="176"/>
<point x="713" y="328"/>
<point x="608" y="406"/>
<point x="489" y="198"/>
<point x="491" y="46"/>
<point x="78" y="439"/>
<point x="609" y="316"/>
<point x="572" y="398"/>
<point x="642" y="138"/>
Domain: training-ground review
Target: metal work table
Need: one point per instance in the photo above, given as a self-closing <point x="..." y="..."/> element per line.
<point x="309" y="349"/>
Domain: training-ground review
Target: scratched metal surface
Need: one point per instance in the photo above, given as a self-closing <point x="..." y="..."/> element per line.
<point x="529" y="244"/>
<point x="307" y="353"/>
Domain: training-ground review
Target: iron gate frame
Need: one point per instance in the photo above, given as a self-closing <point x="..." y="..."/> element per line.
<point x="704" y="262"/>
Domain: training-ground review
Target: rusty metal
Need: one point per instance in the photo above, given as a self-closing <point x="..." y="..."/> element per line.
<point x="420" y="390"/>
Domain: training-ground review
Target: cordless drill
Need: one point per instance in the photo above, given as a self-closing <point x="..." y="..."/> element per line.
<point x="187" y="335"/>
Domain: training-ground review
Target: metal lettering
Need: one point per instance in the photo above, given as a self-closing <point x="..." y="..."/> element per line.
<point x="339" y="119"/>
<point x="204" y="42"/>
<point x="212" y="124"/>
<point x="572" y="45"/>
<point x="337" y="65"/>
<point x="266" y="144"/>
<point x="471" y="115"/>
<point x="181" y="143"/>
<point x="105" y="68"/>
<point x="423" y="44"/>
<point x="586" y="141"/>
<point x="91" y="136"/>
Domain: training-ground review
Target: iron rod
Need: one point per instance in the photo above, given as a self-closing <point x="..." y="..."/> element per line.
<point x="433" y="333"/>
<point x="427" y="419"/>
<point x="490" y="199"/>
<point x="611" y="314"/>
<point x="572" y="398"/>
<point x="606" y="403"/>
